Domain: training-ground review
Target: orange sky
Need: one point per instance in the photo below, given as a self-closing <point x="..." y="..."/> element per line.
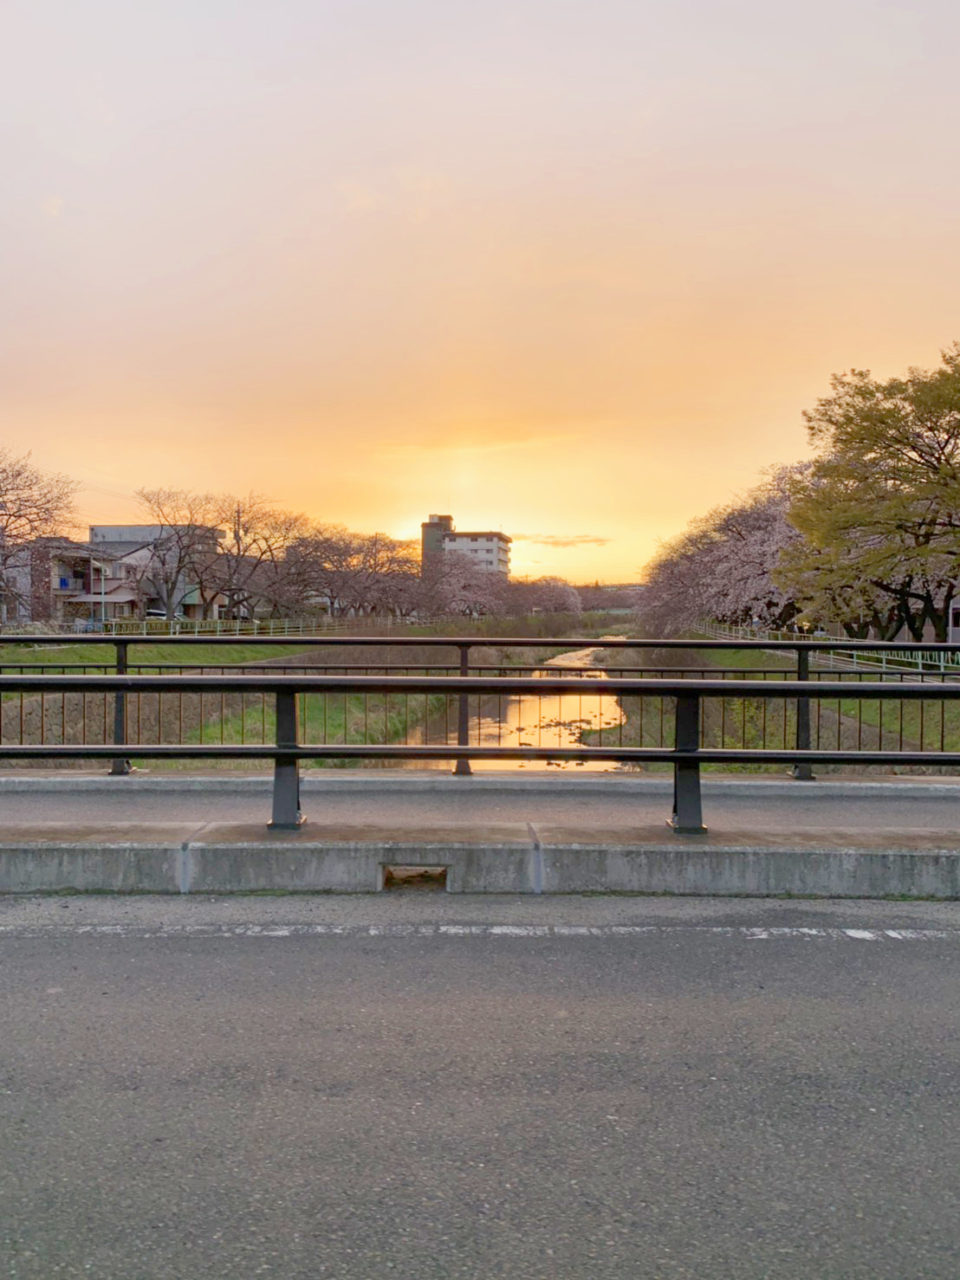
<point x="568" y="269"/>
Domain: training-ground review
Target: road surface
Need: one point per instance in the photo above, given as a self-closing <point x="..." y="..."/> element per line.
<point x="419" y="1087"/>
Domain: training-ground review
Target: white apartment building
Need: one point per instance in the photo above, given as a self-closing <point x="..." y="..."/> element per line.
<point x="488" y="548"/>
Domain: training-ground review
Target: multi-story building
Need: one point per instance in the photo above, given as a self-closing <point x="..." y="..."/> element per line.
<point x="488" y="548"/>
<point x="123" y="571"/>
<point x="58" y="580"/>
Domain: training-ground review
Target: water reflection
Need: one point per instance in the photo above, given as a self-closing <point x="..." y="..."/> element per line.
<point x="551" y="720"/>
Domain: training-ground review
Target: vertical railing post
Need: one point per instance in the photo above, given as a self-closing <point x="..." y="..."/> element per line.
<point x="802" y="771"/>
<point x="286" y="769"/>
<point x="120" y="766"/>
<point x="687" y="810"/>
<point x="463" y="715"/>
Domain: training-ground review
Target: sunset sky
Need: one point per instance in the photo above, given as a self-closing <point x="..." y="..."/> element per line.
<point x="568" y="268"/>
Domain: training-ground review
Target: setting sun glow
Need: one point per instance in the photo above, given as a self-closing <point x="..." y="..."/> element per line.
<point x="568" y="270"/>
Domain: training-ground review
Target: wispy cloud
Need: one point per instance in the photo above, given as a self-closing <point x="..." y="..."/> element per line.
<point x="562" y="540"/>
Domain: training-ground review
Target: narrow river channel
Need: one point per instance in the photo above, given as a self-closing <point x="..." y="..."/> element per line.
<point x="550" y="720"/>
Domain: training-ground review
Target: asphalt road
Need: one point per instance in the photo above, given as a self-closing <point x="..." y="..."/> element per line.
<point x="780" y="807"/>
<point x="426" y="1088"/>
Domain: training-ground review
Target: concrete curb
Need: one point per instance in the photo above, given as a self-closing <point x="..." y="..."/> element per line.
<point x="680" y="866"/>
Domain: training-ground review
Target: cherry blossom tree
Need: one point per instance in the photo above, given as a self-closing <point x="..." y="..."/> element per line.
<point x="722" y="567"/>
<point x="355" y="573"/>
<point x="460" y="586"/>
<point x="541" y="595"/>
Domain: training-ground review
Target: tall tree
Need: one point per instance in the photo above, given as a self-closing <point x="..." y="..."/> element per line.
<point x="356" y="573"/>
<point x="879" y="509"/>
<point x="185" y="547"/>
<point x="540" y="595"/>
<point x="33" y="504"/>
<point x="722" y="566"/>
<point x="250" y="566"/>
<point x="461" y="586"/>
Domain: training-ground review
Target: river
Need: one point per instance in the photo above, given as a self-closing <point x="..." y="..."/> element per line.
<point x="550" y="720"/>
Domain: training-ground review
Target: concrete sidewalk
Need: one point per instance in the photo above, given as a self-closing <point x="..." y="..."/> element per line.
<point x="530" y="833"/>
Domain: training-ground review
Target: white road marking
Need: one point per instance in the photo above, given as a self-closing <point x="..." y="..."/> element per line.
<point x="527" y="931"/>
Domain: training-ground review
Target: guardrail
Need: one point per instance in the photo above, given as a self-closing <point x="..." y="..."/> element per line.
<point x="873" y="656"/>
<point x="776" y="721"/>
<point x="287" y="750"/>
<point x="161" y="628"/>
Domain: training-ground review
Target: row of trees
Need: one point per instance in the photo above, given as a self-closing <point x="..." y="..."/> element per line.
<point x="251" y="557"/>
<point x="866" y="535"/>
<point x="244" y="555"/>
<point x="723" y="567"/>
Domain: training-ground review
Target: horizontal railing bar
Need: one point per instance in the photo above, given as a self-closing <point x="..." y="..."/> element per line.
<point x="670" y="688"/>
<point x="14" y="670"/>
<point x="497" y="642"/>
<point x="731" y="675"/>
<point x="308" y="751"/>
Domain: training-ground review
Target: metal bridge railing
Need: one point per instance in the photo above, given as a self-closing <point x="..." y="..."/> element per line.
<point x="133" y="721"/>
<point x="858" y="655"/>
<point x="686" y="754"/>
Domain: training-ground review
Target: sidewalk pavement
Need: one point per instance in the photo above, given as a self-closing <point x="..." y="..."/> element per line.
<point x="533" y="833"/>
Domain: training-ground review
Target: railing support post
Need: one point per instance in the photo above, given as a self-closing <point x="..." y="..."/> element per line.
<point x="286" y="769"/>
<point x="120" y="767"/>
<point x="463" y="715"/>
<point x="687" y="810"/>
<point x="801" y="771"/>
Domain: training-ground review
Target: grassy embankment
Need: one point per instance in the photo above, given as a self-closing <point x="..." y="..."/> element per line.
<point x="231" y="718"/>
<point x="846" y="723"/>
<point x="71" y="658"/>
<point x="88" y="718"/>
<point x="378" y="718"/>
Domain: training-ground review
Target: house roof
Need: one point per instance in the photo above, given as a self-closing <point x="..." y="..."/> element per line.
<point x="117" y="549"/>
<point x="62" y="546"/>
<point x="116" y="595"/>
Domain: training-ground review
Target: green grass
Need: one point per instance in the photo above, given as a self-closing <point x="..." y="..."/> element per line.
<point x="56" y="657"/>
<point x="743" y="722"/>
<point x="146" y="653"/>
<point x="919" y="726"/>
<point x="736" y="659"/>
<point x="926" y="726"/>
<point x="330" y="718"/>
<point x="733" y="722"/>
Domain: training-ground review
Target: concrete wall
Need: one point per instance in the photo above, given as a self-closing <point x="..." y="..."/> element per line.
<point x="299" y="864"/>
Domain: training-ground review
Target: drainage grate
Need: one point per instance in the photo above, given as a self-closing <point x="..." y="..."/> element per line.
<point x="406" y="877"/>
